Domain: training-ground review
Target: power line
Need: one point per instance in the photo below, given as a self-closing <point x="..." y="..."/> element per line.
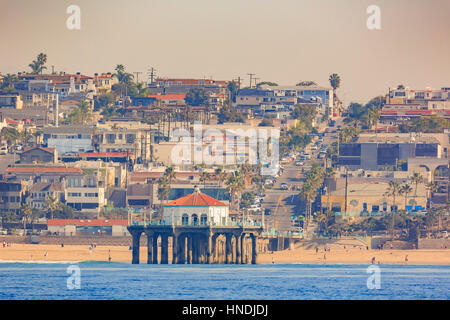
<point x="151" y="74"/>
<point x="137" y="73"/>
<point x="251" y="75"/>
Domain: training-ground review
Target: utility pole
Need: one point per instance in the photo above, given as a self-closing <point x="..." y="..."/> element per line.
<point x="151" y="74"/>
<point x="256" y="81"/>
<point x="251" y="75"/>
<point x="137" y="73"/>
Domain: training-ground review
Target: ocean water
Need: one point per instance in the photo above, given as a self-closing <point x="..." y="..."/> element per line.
<point x="104" y="280"/>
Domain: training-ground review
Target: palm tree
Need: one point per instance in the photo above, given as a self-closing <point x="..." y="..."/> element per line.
<point x="335" y="81"/>
<point x="26" y="211"/>
<point x="431" y="187"/>
<point x="170" y="174"/>
<point x="122" y="76"/>
<point x="8" y="81"/>
<point x="37" y="66"/>
<point x="204" y="177"/>
<point x="81" y="115"/>
<point x="163" y="189"/>
<point x="405" y="190"/>
<point x="393" y="191"/>
<point x="416" y="178"/>
<point x="164" y="184"/>
<point x="308" y="194"/>
<point x="220" y="175"/>
<point x="53" y="205"/>
<point x="374" y="117"/>
<point x="235" y="185"/>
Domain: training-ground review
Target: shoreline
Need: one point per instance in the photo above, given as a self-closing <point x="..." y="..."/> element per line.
<point x="39" y="253"/>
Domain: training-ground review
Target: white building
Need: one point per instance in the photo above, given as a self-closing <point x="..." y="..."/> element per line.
<point x="196" y="209"/>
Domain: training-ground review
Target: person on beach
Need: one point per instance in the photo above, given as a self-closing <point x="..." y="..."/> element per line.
<point x="406" y="259"/>
<point x="273" y="261"/>
<point x="373" y="260"/>
<point x="45" y="254"/>
<point x="317" y="250"/>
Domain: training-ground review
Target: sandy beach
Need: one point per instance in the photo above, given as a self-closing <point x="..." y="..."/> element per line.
<point x="438" y="257"/>
<point x="40" y="252"/>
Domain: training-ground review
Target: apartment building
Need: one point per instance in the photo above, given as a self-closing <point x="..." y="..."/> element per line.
<point x="12" y="195"/>
<point x="422" y="97"/>
<point x="262" y="98"/>
<point x="375" y="152"/>
<point x="182" y="86"/>
<point x="69" y="138"/>
<point x="360" y="195"/>
<point x="39" y="193"/>
<point x="11" y="100"/>
<point x="86" y="199"/>
<point x="135" y="142"/>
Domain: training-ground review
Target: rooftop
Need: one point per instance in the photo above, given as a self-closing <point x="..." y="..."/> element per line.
<point x="196" y="199"/>
<point x="86" y="222"/>
<point x="46" y="186"/>
<point x="397" y="138"/>
<point x="43" y="170"/>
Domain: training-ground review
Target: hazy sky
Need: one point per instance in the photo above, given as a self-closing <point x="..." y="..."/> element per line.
<point x="282" y="41"/>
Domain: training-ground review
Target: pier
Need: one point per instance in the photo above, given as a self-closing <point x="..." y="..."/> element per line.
<point x="197" y="244"/>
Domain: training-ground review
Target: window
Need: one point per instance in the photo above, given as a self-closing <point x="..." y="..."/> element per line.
<point x="185" y="219"/>
<point x="130" y="138"/>
<point x="195" y="219"/>
<point x="387" y="154"/>
<point x="203" y="219"/>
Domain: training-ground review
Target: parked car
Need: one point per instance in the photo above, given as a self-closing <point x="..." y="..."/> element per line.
<point x="299" y="163"/>
<point x="267" y="212"/>
<point x="284" y="186"/>
<point x="443" y="234"/>
<point x="3" y="150"/>
<point x="254" y="208"/>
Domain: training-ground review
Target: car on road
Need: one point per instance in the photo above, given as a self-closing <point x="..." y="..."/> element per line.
<point x="314" y="147"/>
<point x="284" y="186"/>
<point x="18" y="147"/>
<point x="254" y="208"/>
<point x="268" y="212"/>
<point x="299" y="163"/>
<point x="307" y="156"/>
<point x="3" y="150"/>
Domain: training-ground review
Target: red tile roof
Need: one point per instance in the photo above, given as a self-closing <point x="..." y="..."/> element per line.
<point x="42" y="170"/>
<point x="86" y="222"/>
<point x="174" y="96"/>
<point x="196" y="199"/>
